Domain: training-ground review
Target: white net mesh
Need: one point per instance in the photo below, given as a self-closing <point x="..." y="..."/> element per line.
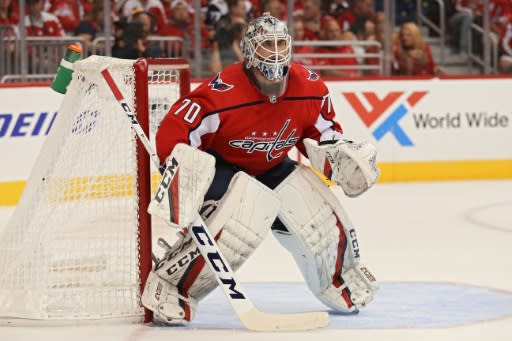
<point x="163" y="92"/>
<point x="70" y="250"/>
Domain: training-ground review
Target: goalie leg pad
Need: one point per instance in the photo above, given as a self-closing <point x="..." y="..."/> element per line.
<point x="239" y="226"/>
<point x="164" y="300"/>
<point x="323" y="242"/>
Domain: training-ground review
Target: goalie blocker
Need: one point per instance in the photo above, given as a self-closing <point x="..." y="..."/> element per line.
<point x="317" y="232"/>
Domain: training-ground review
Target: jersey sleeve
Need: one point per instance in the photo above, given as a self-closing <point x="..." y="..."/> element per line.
<point x="186" y="122"/>
<point x="324" y="126"/>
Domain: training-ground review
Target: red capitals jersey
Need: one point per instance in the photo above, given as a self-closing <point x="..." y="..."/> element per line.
<point x="47" y="25"/>
<point x="69" y="13"/>
<point x="229" y="116"/>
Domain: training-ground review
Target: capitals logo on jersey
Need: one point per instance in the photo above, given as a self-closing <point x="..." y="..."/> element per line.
<point x="218" y="84"/>
<point x="271" y="145"/>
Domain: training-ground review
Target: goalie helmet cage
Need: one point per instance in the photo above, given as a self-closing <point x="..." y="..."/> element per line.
<point x="78" y="246"/>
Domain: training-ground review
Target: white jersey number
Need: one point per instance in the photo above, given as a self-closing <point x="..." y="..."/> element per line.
<point x="192" y="111"/>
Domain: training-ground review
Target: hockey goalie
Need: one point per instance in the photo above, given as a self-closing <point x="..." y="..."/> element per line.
<point x="232" y="135"/>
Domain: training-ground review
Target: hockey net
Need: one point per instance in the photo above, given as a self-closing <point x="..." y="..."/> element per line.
<point x="78" y="246"/>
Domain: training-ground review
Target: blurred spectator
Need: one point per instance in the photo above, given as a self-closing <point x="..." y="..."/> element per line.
<point x="364" y="12"/>
<point x="298" y="35"/>
<point x="180" y="20"/>
<point x="169" y="4"/>
<point x="331" y="31"/>
<point x="336" y="8"/>
<point x="358" y="50"/>
<point x="154" y="7"/>
<point x="88" y="6"/>
<point x="167" y="7"/>
<point x="69" y="13"/>
<point x="228" y="34"/>
<point x="378" y="29"/>
<point x="216" y="9"/>
<point x="500" y="17"/>
<point x="297" y="10"/>
<point x="345" y="15"/>
<point x="312" y="18"/>
<point x="8" y="17"/>
<point x="131" y="38"/>
<point x="506" y="57"/>
<point x="276" y="9"/>
<point x="88" y="28"/>
<point x="369" y="28"/>
<point x="378" y="36"/>
<point x="181" y="25"/>
<point x="8" y="13"/>
<point x="148" y="21"/>
<point x="40" y="23"/>
<point x="460" y="23"/>
<point x="412" y="56"/>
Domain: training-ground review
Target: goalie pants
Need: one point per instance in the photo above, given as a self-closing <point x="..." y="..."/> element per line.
<point x="225" y="171"/>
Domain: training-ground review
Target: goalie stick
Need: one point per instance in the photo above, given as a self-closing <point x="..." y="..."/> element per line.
<point x="249" y="315"/>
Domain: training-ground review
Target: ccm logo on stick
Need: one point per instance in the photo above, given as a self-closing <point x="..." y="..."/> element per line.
<point x="216" y="261"/>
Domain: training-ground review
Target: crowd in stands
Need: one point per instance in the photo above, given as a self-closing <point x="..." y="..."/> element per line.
<point x="463" y="13"/>
<point x="223" y="23"/>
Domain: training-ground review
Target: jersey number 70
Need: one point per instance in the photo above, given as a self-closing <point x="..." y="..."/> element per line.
<point x="192" y="111"/>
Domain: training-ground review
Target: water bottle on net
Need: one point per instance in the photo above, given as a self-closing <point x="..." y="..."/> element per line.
<point x="65" y="70"/>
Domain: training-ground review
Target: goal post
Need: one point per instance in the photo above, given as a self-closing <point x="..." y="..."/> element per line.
<point x="79" y="243"/>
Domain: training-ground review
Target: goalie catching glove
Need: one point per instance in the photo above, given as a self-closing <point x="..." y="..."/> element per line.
<point x="350" y="165"/>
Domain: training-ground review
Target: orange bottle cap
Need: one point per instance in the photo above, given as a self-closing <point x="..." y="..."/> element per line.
<point x="75" y="47"/>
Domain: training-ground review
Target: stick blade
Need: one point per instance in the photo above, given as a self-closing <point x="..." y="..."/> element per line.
<point x="263" y="322"/>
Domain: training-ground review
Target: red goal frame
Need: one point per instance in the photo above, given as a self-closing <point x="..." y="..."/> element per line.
<point x="142" y="67"/>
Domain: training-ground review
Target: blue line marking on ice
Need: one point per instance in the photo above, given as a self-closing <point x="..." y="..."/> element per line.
<point x="396" y="305"/>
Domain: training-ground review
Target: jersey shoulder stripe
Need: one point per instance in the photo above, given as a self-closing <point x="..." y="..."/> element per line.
<point x="302" y="98"/>
<point x="234" y="107"/>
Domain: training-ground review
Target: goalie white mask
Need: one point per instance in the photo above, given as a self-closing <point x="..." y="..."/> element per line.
<point x="267" y="47"/>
